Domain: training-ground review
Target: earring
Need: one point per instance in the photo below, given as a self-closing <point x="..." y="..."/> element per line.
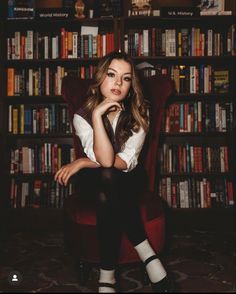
<point x="129" y="94"/>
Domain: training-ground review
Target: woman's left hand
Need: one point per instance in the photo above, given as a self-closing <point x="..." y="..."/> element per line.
<point x="66" y="171"/>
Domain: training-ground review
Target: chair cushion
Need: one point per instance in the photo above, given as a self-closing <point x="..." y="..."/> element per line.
<point x="84" y="213"/>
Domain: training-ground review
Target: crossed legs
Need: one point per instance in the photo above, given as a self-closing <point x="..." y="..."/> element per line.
<point x="116" y="194"/>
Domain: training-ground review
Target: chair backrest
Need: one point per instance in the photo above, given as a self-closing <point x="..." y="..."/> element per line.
<point x="156" y="89"/>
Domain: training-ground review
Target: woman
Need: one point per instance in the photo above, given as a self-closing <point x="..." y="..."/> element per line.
<point x="112" y="126"/>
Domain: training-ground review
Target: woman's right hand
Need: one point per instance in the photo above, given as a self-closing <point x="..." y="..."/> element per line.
<point x="106" y="105"/>
<point x="66" y="171"/>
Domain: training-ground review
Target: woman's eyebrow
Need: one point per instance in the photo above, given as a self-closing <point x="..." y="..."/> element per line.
<point x="126" y="73"/>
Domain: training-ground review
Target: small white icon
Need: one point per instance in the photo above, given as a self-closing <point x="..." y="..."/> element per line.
<point x="14" y="278"/>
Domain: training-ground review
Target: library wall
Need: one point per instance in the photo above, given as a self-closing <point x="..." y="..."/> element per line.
<point x="197" y="53"/>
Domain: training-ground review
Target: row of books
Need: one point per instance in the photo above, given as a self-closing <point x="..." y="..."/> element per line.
<point x="198" y="117"/>
<point x="193" y="79"/>
<point x="179" y="117"/>
<point x="196" y="192"/>
<point x="64" y="44"/>
<point x="189" y="193"/>
<point x="40" y="158"/>
<point x="196" y="159"/>
<point x="38" y="193"/>
<point x="192" y="41"/>
<point x="34" y="81"/>
<point x="38" y="119"/>
<point x="42" y="81"/>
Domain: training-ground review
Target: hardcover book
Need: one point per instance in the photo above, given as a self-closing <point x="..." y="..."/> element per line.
<point x="221" y="81"/>
<point x="21" y="9"/>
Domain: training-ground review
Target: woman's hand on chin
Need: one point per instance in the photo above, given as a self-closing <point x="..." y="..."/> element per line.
<point x="106" y="105"/>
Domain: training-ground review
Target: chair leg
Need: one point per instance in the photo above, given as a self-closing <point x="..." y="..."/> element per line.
<point x="67" y="237"/>
<point x="83" y="269"/>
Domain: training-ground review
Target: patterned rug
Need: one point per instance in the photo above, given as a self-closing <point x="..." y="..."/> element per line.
<point x="203" y="261"/>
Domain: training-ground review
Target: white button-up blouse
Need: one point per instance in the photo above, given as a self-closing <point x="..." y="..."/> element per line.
<point x="129" y="153"/>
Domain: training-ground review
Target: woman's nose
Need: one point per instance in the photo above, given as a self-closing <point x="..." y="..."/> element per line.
<point x="118" y="81"/>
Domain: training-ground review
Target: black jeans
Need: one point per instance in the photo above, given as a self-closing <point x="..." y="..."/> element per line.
<point x="116" y="194"/>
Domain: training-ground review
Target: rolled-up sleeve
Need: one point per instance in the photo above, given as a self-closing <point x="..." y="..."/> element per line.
<point x="132" y="149"/>
<point x="85" y="133"/>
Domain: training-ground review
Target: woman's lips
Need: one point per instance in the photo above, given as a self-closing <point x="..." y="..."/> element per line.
<point x="115" y="91"/>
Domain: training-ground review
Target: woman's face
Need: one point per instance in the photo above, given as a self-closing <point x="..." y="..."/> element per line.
<point x="117" y="81"/>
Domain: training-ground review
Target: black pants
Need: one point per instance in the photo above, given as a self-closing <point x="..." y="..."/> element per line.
<point x="116" y="195"/>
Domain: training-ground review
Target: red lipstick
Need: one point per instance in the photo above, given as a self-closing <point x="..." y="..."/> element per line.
<point x="115" y="91"/>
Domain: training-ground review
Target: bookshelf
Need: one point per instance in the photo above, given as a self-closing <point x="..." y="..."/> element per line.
<point x="37" y="133"/>
<point x="199" y="121"/>
<point x="193" y="185"/>
<point x="1" y="105"/>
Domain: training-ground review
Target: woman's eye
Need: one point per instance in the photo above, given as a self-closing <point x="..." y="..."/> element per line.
<point x="127" y="79"/>
<point x="110" y="74"/>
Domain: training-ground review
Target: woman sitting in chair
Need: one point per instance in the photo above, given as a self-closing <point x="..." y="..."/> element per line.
<point x="112" y="126"/>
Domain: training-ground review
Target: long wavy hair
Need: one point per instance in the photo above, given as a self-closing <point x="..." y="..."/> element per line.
<point x="135" y="114"/>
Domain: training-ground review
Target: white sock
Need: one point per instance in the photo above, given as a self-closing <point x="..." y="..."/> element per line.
<point x="155" y="269"/>
<point x="107" y="276"/>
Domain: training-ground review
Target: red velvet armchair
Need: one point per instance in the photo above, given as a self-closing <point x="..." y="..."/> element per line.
<point x="80" y="220"/>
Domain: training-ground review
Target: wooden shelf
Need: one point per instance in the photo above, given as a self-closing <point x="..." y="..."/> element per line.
<point x="204" y="97"/>
<point x="31" y="176"/>
<point x="192" y="174"/>
<point x="156" y="19"/>
<point x="34" y="99"/>
<point x="36" y="136"/>
<point x="61" y="61"/>
<point x="184" y="59"/>
<point x="195" y="134"/>
<point x="60" y="22"/>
